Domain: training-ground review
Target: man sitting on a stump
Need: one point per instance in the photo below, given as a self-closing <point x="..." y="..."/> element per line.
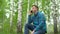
<point x="38" y="20"/>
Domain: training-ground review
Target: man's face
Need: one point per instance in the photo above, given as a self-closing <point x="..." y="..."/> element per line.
<point x="34" y="9"/>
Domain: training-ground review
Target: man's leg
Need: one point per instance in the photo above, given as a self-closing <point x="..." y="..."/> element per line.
<point x="39" y="32"/>
<point x="27" y="28"/>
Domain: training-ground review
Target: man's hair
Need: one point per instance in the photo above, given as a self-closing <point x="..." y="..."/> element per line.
<point x="36" y="6"/>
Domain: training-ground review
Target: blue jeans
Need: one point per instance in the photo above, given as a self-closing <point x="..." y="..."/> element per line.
<point x="31" y="27"/>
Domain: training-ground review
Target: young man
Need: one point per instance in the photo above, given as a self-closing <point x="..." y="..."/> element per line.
<point x="38" y="20"/>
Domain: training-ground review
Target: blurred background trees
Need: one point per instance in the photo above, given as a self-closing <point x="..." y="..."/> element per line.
<point x="14" y="14"/>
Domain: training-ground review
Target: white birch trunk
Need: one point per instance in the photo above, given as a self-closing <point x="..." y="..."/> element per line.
<point x="19" y="26"/>
<point x="11" y="13"/>
<point x="28" y="10"/>
<point x="55" y="16"/>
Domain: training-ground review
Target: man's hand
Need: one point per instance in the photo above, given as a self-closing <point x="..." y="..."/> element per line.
<point x="30" y="13"/>
<point x="32" y="32"/>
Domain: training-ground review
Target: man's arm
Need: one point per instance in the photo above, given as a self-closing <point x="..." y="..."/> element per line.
<point x="29" y="19"/>
<point x="41" y="22"/>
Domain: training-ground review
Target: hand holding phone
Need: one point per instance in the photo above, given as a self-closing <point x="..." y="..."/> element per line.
<point x="30" y="12"/>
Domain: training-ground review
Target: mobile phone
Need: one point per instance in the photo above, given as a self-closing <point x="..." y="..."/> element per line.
<point x="31" y="11"/>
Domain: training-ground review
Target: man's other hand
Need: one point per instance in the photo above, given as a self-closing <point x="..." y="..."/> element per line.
<point x="32" y="32"/>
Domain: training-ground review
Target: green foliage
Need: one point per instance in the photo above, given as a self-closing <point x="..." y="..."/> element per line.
<point x="5" y="8"/>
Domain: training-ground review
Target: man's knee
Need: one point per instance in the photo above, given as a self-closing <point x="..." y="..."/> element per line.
<point x="26" y="25"/>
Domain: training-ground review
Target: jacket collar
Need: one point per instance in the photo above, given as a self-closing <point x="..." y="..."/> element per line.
<point x="36" y="14"/>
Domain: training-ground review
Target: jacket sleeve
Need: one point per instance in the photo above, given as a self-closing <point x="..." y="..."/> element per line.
<point x="29" y="19"/>
<point x="42" y="20"/>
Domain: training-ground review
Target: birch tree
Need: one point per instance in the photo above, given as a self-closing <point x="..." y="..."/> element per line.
<point x="11" y="13"/>
<point x="19" y="26"/>
<point x="55" y="16"/>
